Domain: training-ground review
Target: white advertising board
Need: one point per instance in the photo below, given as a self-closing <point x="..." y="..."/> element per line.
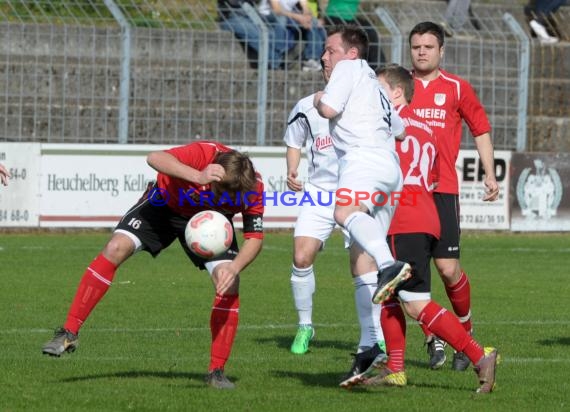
<point x="474" y="213"/>
<point x="71" y="185"/>
<point x="20" y="200"/>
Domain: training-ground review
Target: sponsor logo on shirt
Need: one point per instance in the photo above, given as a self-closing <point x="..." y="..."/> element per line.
<point x="429" y="113"/>
<point x="322" y="143"/>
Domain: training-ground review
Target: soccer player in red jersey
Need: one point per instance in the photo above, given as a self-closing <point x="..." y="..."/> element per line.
<point x="191" y="178"/>
<point x="413" y="232"/>
<point x="443" y="100"/>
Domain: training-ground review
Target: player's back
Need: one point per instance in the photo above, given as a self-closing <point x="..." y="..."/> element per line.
<point x="364" y="122"/>
<point x="416" y="211"/>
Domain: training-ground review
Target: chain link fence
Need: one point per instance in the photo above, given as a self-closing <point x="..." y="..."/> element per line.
<point x="141" y="71"/>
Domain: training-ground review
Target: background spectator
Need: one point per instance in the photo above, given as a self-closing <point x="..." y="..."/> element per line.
<point x="539" y="15"/>
<point x="456" y="15"/>
<point x="233" y="18"/>
<point x="345" y="12"/>
<point x="299" y="20"/>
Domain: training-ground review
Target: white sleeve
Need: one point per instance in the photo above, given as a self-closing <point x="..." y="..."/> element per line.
<point x="339" y="86"/>
<point x="398" y="126"/>
<point x="297" y="131"/>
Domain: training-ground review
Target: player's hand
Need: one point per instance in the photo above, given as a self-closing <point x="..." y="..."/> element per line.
<point x="211" y="173"/>
<point x="293" y="183"/>
<point x="224" y="277"/>
<point x="491" y="190"/>
<point x="4" y="175"/>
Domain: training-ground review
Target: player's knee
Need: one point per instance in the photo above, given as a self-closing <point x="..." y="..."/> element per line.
<point x="118" y="249"/>
<point x="449" y="272"/>
<point x="340" y="216"/>
<point x="302" y="259"/>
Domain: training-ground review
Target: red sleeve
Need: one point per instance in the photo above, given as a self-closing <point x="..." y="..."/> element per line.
<point x="197" y="155"/>
<point x="253" y="213"/>
<point x="472" y="111"/>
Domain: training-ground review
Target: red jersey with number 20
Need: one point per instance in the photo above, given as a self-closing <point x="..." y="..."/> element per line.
<point x="198" y="155"/>
<point x="416" y="211"/>
<point x="442" y="103"/>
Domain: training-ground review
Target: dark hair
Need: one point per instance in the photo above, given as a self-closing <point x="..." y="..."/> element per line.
<point x="428" y="27"/>
<point x="397" y="76"/>
<point x="352" y="36"/>
<point x="239" y="177"/>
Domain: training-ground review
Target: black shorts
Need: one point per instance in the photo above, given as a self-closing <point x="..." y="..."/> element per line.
<point x="158" y="226"/>
<point x="448" y="209"/>
<point x="415" y="249"/>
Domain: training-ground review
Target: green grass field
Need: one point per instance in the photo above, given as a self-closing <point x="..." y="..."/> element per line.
<point x="146" y="346"/>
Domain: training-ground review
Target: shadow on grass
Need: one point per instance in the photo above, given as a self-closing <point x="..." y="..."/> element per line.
<point x="332" y="380"/>
<point x="191" y="377"/>
<point x="562" y="340"/>
<point x="285" y="341"/>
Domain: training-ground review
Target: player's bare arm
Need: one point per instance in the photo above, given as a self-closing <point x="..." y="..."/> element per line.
<point x="225" y="274"/>
<point x="166" y="163"/>
<point x="4" y="175"/>
<point x="293" y="157"/>
<point x="485" y="148"/>
<point x="324" y="110"/>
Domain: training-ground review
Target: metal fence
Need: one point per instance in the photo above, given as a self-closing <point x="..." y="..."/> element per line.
<point x="138" y="71"/>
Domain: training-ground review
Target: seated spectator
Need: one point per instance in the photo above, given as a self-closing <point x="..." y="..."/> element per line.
<point x="345" y="12"/>
<point x="539" y="15"/>
<point x="456" y="15"/>
<point x="298" y="18"/>
<point x="233" y="18"/>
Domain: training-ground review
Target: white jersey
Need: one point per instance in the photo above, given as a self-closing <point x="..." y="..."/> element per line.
<point x="306" y="126"/>
<point x="366" y="119"/>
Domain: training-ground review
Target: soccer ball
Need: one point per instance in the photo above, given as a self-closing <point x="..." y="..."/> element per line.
<point x="209" y="234"/>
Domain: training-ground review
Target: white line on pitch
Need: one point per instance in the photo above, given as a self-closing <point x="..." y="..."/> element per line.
<point x="272" y="326"/>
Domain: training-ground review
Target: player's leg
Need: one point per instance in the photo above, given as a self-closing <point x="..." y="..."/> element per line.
<point x="364" y="274"/>
<point x="447" y="327"/>
<point x="303" y="288"/>
<point x="134" y="232"/>
<point x="224" y="320"/>
<point x="414" y="248"/>
<point x="361" y="197"/>
<point x="224" y="317"/>
<point x="446" y="253"/>
<point x="312" y="228"/>
<point x="371" y="350"/>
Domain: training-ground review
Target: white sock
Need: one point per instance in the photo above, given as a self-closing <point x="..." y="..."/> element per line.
<point x="371" y="236"/>
<point x="303" y="287"/>
<point x="368" y="312"/>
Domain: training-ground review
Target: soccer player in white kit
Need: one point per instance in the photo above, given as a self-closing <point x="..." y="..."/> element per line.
<point x="363" y="127"/>
<point x="314" y="226"/>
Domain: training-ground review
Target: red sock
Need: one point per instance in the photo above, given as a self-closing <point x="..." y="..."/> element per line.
<point x="425" y="330"/>
<point x="393" y="324"/>
<point x="93" y="285"/>
<point x="460" y="297"/>
<point x="223" y="325"/>
<point x="446" y="326"/>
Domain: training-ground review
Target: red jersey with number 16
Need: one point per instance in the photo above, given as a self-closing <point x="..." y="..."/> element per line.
<point x="416" y="211"/>
<point x="442" y="103"/>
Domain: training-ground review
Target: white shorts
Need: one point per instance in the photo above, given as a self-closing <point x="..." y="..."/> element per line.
<point x="369" y="178"/>
<point x="317" y="221"/>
